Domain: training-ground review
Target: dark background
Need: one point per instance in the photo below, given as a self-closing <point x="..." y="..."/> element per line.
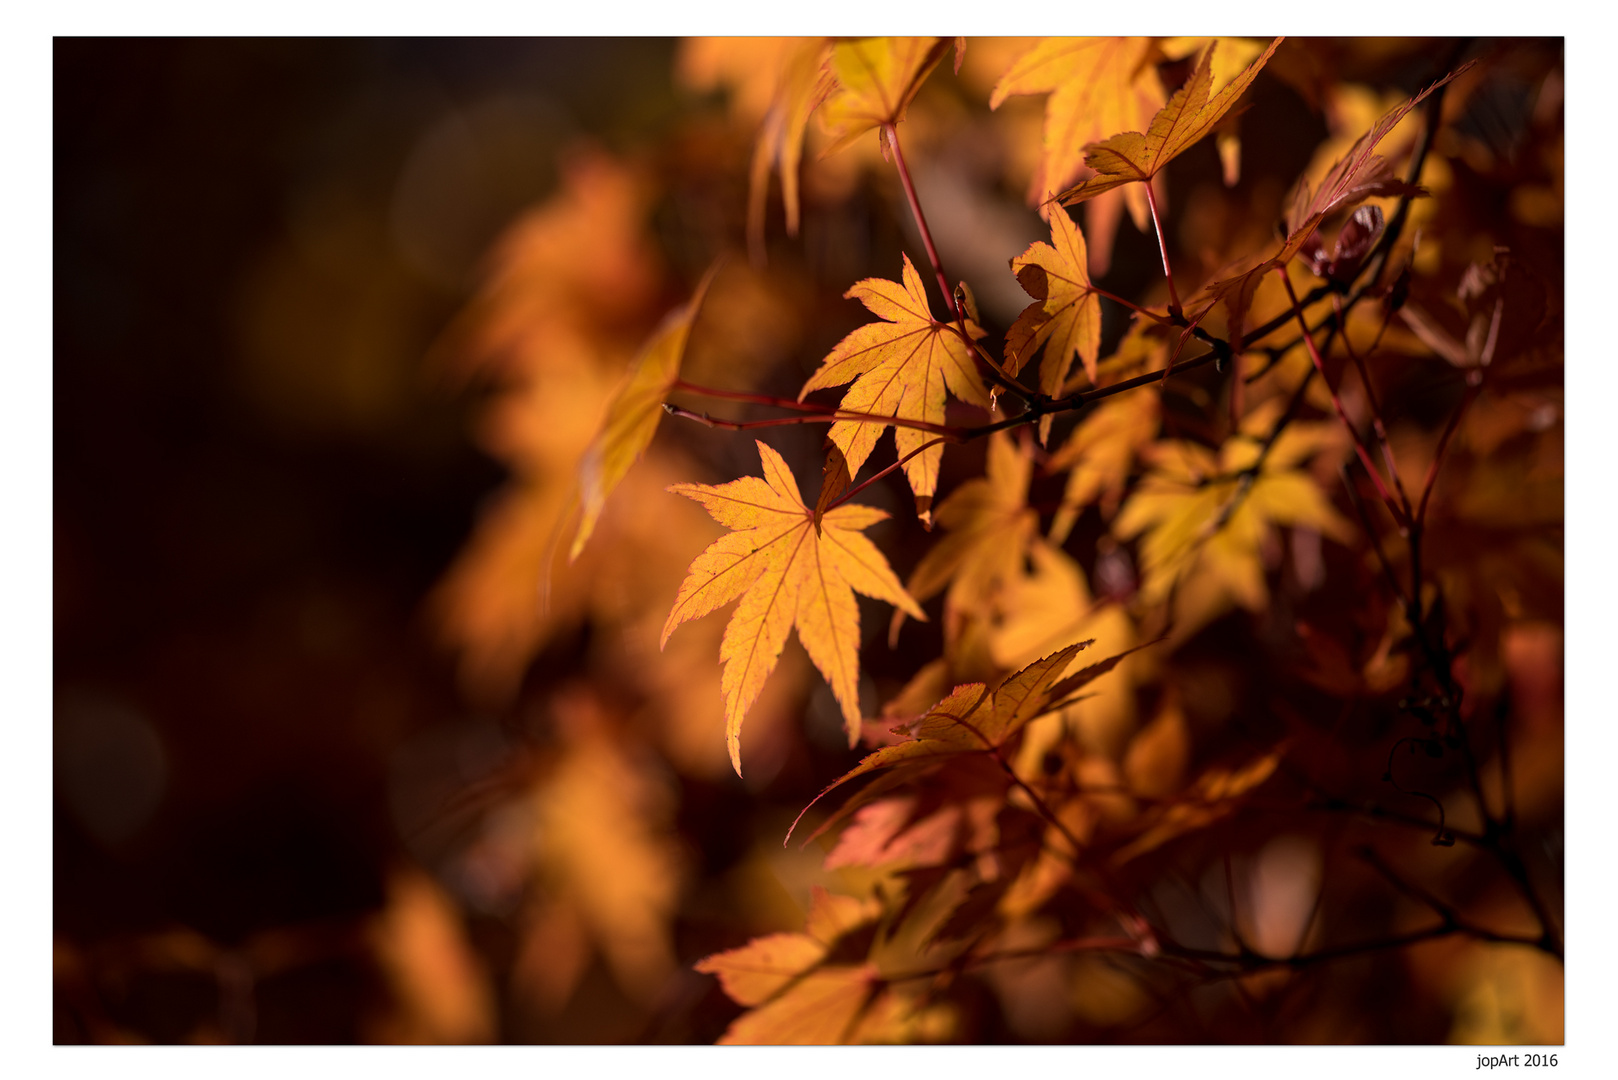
<point x="257" y="478"/>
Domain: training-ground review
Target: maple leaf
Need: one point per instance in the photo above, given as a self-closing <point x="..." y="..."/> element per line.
<point x="632" y="417"/>
<point x="802" y="991"/>
<point x="899" y="368"/>
<point x="1097" y="86"/>
<point x="989" y="526"/>
<point x="1190" y="114"/>
<point x="972" y="720"/>
<point x="805" y="84"/>
<point x="1203" y="517"/>
<point x="877" y="78"/>
<point x="787" y="572"/>
<point x="778" y="82"/>
<point x="1065" y="316"/>
<point x="1099" y="454"/>
<point x="1358" y="175"/>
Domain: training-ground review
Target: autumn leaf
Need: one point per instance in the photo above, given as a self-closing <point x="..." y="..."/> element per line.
<point x="900" y="368"/>
<point x="805" y="83"/>
<point x="1190" y="114"/>
<point x="876" y="80"/>
<point x="1065" y="316"/>
<point x="787" y="572"/>
<point x="1358" y="175"/>
<point x="972" y="720"/>
<point x="1203" y="518"/>
<point x="1232" y="56"/>
<point x="802" y="991"/>
<point x="1099" y="455"/>
<point x="1097" y="86"/>
<point x="989" y="525"/>
<point x="1038" y="611"/>
<point x="632" y="416"/>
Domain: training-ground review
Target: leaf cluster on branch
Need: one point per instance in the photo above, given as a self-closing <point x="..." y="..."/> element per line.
<point x="1229" y="578"/>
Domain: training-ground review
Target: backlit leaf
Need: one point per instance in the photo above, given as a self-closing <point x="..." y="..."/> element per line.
<point x="633" y="414"/>
<point x="876" y="80"/>
<point x="900" y="367"/>
<point x="1066" y="314"/>
<point x="1098" y="86"/>
<point x="787" y="573"/>
<point x="1190" y="114"/>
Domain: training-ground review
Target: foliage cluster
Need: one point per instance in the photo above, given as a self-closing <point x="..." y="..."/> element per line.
<point x="1218" y="556"/>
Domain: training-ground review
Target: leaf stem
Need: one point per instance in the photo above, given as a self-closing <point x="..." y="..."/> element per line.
<point x="853" y="491"/>
<point x="921" y="220"/>
<point x="1163" y="248"/>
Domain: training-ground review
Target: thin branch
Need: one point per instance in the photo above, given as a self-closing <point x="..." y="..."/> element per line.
<point x="946" y="433"/>
<point x="1398" y="512"/>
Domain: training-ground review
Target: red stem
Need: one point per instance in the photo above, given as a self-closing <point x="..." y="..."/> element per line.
<point x="921" y="221"/>
<point x="1376" y="407"/>
<point x="1399" y="513"/>
<point x="853" y="491"/>
<point x="1162" y="247"/>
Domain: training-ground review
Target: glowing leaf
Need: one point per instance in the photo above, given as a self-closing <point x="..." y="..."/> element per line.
<point x="787" y="572"/>
<point x="876" y="80"/>
<point x="633" y="414"/>
<point x="799" y="998"/>
<point x="1098" y="86"/>
<point x="1065" y="316"/>
<point x="900" y="368"/>
<point x="1191" y="113"/>
<point x="805" y="83"/>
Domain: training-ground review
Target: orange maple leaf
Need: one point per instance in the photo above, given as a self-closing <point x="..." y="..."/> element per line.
<point x="805" y="84"/>
<point x="1191" y="113"/>
<point x="1097" y="86"/>
<point x="899" y="368"/>
<point x="802" y="990"/>
<point x="634" y="412"/>
<point x="877" y="78"/>
<point x="787" y="572"/>
<point x="972" y="720"/>
<point x="1066" y="313"/>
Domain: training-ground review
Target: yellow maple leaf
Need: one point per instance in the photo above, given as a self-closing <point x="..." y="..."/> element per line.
<point x="876" y="80"/>
<point x="1097" y="86"/>
<point x="1190" y="114"/>
<point x="989" y="525"/>
<point x="632" y="416"/>
<point x="1099" y="454"/>
<point x="900" y="368"/>
<point x="787" y="572"/>
<point x="1065" y="316"/>
<point x="1203" y="517"/>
